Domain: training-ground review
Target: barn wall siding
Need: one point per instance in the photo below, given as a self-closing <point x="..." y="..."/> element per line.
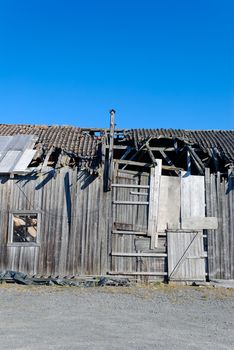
<point x="74" y="223"/>
<point x="220" y="203"/>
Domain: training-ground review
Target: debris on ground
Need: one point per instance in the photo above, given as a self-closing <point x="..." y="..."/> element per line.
<point x="22" y="278"/>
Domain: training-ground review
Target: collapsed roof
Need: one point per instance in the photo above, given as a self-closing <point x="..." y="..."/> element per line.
<point x="67" y="145"/>
<point x="222" y="140"/>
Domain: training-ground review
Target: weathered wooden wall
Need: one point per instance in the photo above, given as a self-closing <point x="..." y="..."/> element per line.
<point x="74" y="214"/>
<point x="220" y="203"/>
<point x="131" y="252"/>
<point x="75" y="225"/>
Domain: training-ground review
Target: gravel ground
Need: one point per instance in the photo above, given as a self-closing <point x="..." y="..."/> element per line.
<point x="138" y="317"/>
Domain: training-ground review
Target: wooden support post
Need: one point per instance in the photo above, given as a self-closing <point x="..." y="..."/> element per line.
<point x="155" y="174"/>
<point x="111" y="144"/>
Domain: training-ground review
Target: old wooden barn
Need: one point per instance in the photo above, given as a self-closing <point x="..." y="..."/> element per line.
<point x="150" y="204"/>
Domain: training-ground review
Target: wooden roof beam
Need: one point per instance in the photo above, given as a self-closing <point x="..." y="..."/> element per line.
<point x="197" y="161"/>
<point x="137" y="152"/>
<point x="169" y="161"/>
<point x="150" y="153"/>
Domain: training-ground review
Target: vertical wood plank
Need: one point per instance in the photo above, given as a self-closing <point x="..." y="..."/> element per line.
<point x="192" y="196"/>
<point x="155" y="175"/>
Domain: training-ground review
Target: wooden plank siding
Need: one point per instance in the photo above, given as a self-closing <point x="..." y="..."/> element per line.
<point x="74" y="214"/>
<point x="220" y="203"/>
<point x="77" y="219"/>
<point x="131" y="252"/>
<point x="186" y="256"/>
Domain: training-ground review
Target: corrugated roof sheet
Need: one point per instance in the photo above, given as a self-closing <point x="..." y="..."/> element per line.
<point x="65" y="137"/>
<point x="16" y="153"/>
<point x="223" y="140"/>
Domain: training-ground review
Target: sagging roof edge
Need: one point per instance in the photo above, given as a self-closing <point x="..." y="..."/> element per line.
<point x="70" y="145"/>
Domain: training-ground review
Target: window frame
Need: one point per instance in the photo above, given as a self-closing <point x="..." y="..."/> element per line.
<point x="11" y="228"/>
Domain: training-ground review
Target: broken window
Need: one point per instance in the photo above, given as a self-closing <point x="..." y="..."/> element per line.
<point x="25" y="228"/>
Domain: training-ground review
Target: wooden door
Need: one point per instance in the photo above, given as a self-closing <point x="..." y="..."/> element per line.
<point x="186" y="256"/>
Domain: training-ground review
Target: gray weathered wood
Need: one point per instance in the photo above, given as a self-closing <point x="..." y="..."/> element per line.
<point x="186" y="256"/>
<point x="155" y="176"/>
<point x="199" y="223"/>
<point x="137" y="273"/>
<point x="151" y="153"/>
<point x="138" y="254"/>
<point x="111" y="145"/>
<point x="73" y="229"/>
<point x="130" y="185"/>
<point x="131" y="162"/>
<point x="121" y="232"/>
<point x="139" y="193"/>
<point x="219" y="203"/>
<point x="169" y="203"/>
<point x="192" y="196"/>
<point x="130" y="202"/>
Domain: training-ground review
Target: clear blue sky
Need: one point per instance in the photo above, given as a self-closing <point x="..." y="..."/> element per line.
<point x="167" y="63"/>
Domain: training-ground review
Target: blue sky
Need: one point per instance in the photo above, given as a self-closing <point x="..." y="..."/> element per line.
<point x="158" y="63"/>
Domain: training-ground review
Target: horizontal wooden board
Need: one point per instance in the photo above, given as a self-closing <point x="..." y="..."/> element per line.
<point x="152" y="255"/>
<point x="137" y="273"/>
<point x="199" y="223"/>
<point x="121" y="232"/>
<point x="130" y="203"/>
<point x="124" y="185"/>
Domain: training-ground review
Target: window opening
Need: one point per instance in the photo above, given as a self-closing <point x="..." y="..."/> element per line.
<point x="25" y="228"/>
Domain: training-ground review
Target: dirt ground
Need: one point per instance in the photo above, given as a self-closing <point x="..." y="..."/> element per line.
<point x="138" y="317"/>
